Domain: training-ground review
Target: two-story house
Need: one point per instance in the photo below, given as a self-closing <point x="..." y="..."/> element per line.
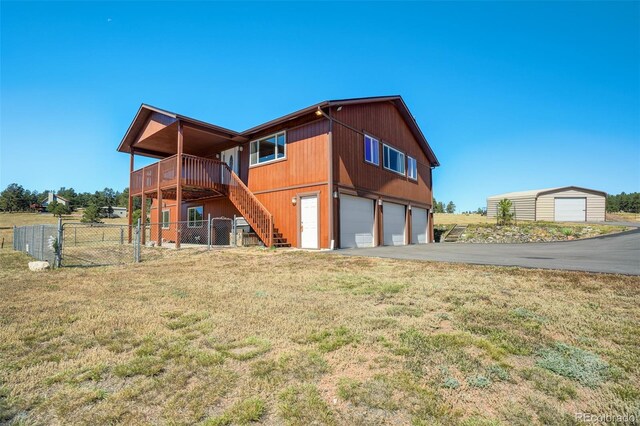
<point x="341" y="173"/>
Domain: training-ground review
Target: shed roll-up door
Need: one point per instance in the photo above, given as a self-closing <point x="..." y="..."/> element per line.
<point x="356" y="221"/>
<point x="570" y="209"/>
<point x="418" y="226"/>
<point x="393" y="222"/>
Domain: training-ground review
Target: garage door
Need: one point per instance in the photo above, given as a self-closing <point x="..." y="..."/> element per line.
<point x="356" y="222"/>
<point x="418" y="226"/>
<point x="570" y="209"/>
<point x="393" y="223"/>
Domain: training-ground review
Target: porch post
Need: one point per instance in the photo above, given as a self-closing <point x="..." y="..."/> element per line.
<point x="179" y="185"/>
<point x="130" y="212"/>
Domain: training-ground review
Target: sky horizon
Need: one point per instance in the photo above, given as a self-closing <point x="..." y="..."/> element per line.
<point x="510" y="95"/>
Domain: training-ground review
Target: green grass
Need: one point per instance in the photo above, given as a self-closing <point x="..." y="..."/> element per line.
<point x="373" y="393"/>
<point x="243" y="412"/>
<point x="302" y="405"/>
<point x="331" y="340"/>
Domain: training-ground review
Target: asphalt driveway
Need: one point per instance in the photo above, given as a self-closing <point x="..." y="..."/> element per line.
<point x="616" y="254"/>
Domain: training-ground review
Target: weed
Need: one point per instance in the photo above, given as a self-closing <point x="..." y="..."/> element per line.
<point x="526" y="314"/>
<point x="450" y="383"/>
<point x="495" y="372"/>
<point x="549" y="384"/>
<point x="478" y="381"/>
<point x="577" y="364"/>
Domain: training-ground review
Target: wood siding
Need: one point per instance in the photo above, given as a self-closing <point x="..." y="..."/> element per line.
<point x="304" y="170"/>
<point x="545" y="207"/>
<point x="383" y="122"/>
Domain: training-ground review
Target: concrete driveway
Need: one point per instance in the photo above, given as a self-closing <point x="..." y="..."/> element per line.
<point x="616" y="254"/>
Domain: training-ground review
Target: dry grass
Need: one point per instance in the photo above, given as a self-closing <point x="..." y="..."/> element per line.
<point x="460" y="219"/>
<point x="243" y="335"/>
<point x="9" y="220"/>
<point x="623" y="217"/>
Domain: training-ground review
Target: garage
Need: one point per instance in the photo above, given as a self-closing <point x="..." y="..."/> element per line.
<point x="356" y="221"/>
<point x="419" y="227"/>
<point x="570" y="209"/>
<point x="393" y="223"/>
<point x="563" y="204"/>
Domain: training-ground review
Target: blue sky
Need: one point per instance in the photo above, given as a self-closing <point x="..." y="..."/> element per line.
<point x="511" y="95"/>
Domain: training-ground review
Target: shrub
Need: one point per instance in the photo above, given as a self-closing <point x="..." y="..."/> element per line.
<point x="504" y="212"/>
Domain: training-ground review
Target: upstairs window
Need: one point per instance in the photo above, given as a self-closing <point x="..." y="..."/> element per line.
<point x="195" y="216"/>
<point x="393" y="159"/>
<point x="371" y="150"/>
<point x="412" y="168"/>
<point x="268" y="149"/>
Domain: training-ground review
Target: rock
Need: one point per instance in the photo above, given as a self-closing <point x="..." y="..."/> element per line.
<point x="39" y="265"/>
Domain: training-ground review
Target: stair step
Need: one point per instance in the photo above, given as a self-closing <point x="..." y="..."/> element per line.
<point x="282" y="244"/>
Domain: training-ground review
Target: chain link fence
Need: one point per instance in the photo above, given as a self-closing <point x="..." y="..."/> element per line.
<point x="97" y="244"/>
<point x="38" y="241"/>
<point x="213" y="232"/>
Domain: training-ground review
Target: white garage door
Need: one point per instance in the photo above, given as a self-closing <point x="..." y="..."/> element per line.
<point x="418" y="226"/>
<point x="356" y="222"/>
<point x="571" y="209"/>
<point x="393" y="223"/>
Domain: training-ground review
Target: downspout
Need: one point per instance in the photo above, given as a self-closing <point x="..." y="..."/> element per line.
<point x="330" y="176"/>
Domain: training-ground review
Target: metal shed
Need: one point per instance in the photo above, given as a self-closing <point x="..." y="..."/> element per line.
<point x="564" y="204"/>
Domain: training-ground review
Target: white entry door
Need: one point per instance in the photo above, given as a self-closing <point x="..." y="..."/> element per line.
<point x="309" y="222"/>
<point x="393" y="222"/>
<point x="570" y="209"/>
<point x="356" y="221"/>
<point x="419" y="221"/>
<point x="230" y="156"/>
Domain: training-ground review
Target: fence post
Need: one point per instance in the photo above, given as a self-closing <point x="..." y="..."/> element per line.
<point x="59" y="244"/>
<point x="15" y="234"/>
<point x="121" y="235"/>
<point x="209" y="232"/>
<point x="136" y="249"/>
<point x="234" y="230"/>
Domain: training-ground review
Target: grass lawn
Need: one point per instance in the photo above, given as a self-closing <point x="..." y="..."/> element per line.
<point x="291" y="337"/>
<point x="9" y="220"/>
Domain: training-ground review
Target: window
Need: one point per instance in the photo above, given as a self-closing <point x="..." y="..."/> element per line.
<point x="412" y="168"/>
<point x="165" y="219"/>
<point x="393" y="159"/>
<point x="268" y="149"/>
<point x="371" y="150"/>
<point x="194" y="217"/>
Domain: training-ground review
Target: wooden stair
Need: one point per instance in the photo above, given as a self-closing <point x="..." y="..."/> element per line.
<point x="279" y="240"/>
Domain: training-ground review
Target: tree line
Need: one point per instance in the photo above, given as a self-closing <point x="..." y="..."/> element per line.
<point x="14" y="198"/>
<point x="629" y="203"/>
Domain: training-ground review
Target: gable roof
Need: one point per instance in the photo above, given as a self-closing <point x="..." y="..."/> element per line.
<point x="537" y="192"/>
<point x="145" y="111"/>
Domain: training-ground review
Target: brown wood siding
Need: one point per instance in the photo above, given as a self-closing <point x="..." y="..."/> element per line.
<point x="305" y="163"/>
<point x="384" y="122"/>
<point x="285" y="213"/>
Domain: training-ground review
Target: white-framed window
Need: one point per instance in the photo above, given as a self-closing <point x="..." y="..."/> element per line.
<point x="371" y="150"/>
<point x="269" y="149"/>
<point x="165" y="219"/>
<point x="412" y="168"/>
<point x="392" y="159"/>
<point x="195" y="217"/>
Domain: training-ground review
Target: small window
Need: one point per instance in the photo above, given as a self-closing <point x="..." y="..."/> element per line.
<point x="412" y="168"/>
<point x="194" y="216"/>
<point x="371" y="150"/>
<point x="165" y="219"/>
<point x="393" y="159"/>
<point x="268" y="149"/>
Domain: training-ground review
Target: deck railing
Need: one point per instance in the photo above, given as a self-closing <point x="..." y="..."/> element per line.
<point x="206" y="173"/>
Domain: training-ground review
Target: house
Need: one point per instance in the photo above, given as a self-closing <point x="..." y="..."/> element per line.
<point x="51" y="197"/>
<point x="115" y="212"/>
<point x="563" y="204"/>
<point x="341" y="173"/>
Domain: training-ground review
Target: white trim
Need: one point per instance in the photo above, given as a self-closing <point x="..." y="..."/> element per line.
<point x="189" y="220"/>
<point x="168" y="222"/>
<point x="260" y="163"/>
<point x="365" y="150"/>
<point x="404" y="159"/>
<point x="409" y="159"/>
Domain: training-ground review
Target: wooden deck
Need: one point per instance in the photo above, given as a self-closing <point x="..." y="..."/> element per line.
<point x="200" y="178"/>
